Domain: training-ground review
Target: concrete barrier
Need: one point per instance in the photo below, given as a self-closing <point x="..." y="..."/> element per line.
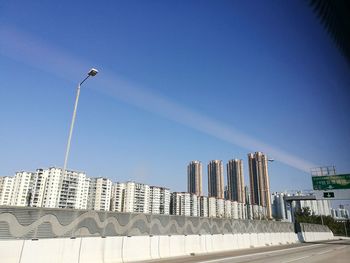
<point x="245" y="240"/>
<point x="164" y="246"/>
<point x="316" y="236"/>
<point x="203" y="247"/>
<point x="51" y="250"/>
<point x="240" y="241"/>
<point x="313" y="232"/>
<point x="192" y="244"/>
<point x="11" y="250"/>
<point x="177" y="245"/>
<point x="275" y="239"/>
<point x="136" y="248"/>
<point x="262" y="239"/>
<point x="218" y="243"/>
<point x="269" y="241"/>
<point x="91" y="250"/>
<point x="235" y="241"/>
<point x="154" y="247"/>
<point x="123" y="237"/>
<point x="209" y="243"/>
<point x="228" y="242"/>
<point x="113" y="249"/>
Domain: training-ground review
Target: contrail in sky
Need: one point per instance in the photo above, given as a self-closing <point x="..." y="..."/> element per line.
<point x="19" y="46"/>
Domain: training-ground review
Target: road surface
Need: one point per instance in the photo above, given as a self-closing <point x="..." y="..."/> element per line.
<point x="336" y="251"/>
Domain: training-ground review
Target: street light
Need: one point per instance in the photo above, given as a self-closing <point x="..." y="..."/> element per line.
<point x="91" y="73"/>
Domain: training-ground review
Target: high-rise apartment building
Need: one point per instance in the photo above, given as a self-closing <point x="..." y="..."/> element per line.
<point x="235" y="180"/>
<point x="136" y="198"/>
<point x="21" y="189"/>
<point x="100" y="193"/>
<point x="194" y="210"/>
<point x="212" y="207"/>
<point x="6" y="187"/>
<point x="226" y="197"/>
<point x="259" y="181"/>
<point x="215" y="179"/>
<point x="220" y="207"/>
<point x="228" y="209"/>
<point x="118" y="194"/>
<point x="247" y="195"/>
<point x="140" y="198"/>
<point x="203" y="206"/>
<point x="51" y="186"/>
<point x="194" y="178"/>
<point x="37" y="192"/>
<point x="240" y="210"/>
<point x="74" y="190"/>
<point x="180" y="203"/>
<point x="234" y="209"/>
<point x="159" y="200"/>
<point x="248" y="207"/>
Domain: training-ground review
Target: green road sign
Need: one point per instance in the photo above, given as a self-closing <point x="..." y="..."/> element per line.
<point x="328" y="194"/>
<point x="341" y="181"/>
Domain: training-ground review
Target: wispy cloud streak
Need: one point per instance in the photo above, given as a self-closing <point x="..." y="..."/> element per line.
<point x="33" y="52"/>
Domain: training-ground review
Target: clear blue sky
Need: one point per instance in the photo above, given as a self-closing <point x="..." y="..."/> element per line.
<point x="178" y="81"/>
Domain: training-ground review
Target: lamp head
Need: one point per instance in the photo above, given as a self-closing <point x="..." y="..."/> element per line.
<point x="93" y="72"/>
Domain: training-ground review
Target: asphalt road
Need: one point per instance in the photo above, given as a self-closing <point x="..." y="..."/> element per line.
<point x="329" y="251"/>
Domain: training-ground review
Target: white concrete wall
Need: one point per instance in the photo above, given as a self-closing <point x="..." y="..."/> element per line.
<point x="10" y="250"/>
<point x="136" y="248"/>
<point x="154" y="247"/>
<point x="164" y="246"/>
<point x="177" y="245"/>
<point x="193" y="244"/>
<point x="314" y="236"/>
<point x="112" y="249"/>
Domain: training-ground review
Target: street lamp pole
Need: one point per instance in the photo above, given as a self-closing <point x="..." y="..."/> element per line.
<point x="91" y="73"/>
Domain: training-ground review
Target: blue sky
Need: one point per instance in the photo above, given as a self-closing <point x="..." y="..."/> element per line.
<point x="178" y="81"/>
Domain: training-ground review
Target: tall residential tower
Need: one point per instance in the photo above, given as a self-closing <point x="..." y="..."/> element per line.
<point x="259" y="181"/>
<point x="235" y="180"/>
<point x="194" y="178"/>
<point x="215" y="179"/>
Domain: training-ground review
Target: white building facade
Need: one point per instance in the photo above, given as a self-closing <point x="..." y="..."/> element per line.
<point x="284" y="211"/>
<point x="21" y="186"/>
<point x="159" y="200"/>
<point x="74" y="190"/>
<point x="6" y="187"/>
<point x="136" y="198"/>
<point x="203" y="206"/>
<point x="100" y="194"/>
<point x="220" y="207"/>
<point x="194" y="205"/>
<point x="118" y="194"/>
<point x="181" y="203"/>
<point x="211" y="207"/>
<point x="228" y="209"/>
